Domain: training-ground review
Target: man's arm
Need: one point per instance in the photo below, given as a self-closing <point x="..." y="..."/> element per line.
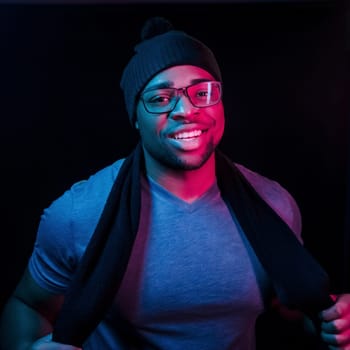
<point x="28" y="316"/>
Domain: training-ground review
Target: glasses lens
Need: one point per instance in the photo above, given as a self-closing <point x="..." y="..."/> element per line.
<point x="159" y="100"/>
<point x="205" y="94"/>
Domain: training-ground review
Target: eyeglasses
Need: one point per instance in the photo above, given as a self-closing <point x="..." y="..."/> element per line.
<point x="164" y="100"/>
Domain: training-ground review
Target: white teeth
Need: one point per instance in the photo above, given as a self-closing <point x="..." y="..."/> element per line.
<point x="187" y="135"/>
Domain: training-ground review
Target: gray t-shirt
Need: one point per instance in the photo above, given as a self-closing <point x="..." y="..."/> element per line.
<point x="193" y="281"/>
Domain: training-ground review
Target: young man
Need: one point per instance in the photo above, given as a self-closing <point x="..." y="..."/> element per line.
<point x="150" y="252"/>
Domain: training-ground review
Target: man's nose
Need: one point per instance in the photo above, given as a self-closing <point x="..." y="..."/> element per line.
<point x="184" y="109"/>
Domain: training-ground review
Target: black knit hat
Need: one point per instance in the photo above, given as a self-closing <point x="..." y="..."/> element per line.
<point x="162" y="47"/>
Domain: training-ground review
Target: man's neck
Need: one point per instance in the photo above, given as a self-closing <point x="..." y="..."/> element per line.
<point x="187" y="185"/>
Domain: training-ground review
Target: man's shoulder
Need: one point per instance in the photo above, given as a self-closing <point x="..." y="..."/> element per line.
<point x="261" y="183"/>
<point x="88" y="193"/>
<point x="99" y="182"/>
<point x="278" y="197"/>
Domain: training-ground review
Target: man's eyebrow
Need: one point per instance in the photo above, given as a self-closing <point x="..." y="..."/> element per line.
<point x="163" y="85"/>
<point x="199" y="80"/>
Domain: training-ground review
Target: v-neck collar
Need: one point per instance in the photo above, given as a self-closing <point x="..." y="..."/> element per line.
<point x="163" y="194"/>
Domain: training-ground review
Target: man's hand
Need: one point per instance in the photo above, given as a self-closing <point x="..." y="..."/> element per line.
<point x="45" y="343"/>
<point x="335" y="326"/>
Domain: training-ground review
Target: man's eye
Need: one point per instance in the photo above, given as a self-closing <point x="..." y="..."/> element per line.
<point x="164" y="99"/>
<point x="203" y="93"/>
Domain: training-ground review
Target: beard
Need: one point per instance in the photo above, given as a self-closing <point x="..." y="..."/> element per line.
<point x="171" y="160"/>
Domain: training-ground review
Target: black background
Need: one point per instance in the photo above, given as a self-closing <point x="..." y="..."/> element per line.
<point x="286" y="91"/>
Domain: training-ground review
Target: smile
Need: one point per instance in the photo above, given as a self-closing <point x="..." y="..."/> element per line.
<point x="188" y="140"/>
<point x="187" y="135"/>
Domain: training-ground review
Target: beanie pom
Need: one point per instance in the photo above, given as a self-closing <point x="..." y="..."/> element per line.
<point x="155" y="26"/>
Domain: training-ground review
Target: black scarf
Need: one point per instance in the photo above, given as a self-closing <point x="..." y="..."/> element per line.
<point x="298" y="279"/>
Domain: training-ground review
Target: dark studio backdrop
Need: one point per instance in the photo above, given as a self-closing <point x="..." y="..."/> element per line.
<point x="286" y="90"/>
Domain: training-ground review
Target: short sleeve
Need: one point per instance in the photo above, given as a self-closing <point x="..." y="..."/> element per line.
<point x="53" y="258"/>
<point x="66" y="228"/>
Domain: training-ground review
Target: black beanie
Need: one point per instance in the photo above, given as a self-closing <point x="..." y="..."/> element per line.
<point x="162" y="47"/>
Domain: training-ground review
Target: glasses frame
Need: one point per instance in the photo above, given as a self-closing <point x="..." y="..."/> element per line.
<point x="182" y="91"/>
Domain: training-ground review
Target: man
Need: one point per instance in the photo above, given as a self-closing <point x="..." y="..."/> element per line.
<point x="150" y="253"/>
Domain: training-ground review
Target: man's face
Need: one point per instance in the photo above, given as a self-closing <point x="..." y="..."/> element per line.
<point x="186" y="137"/>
